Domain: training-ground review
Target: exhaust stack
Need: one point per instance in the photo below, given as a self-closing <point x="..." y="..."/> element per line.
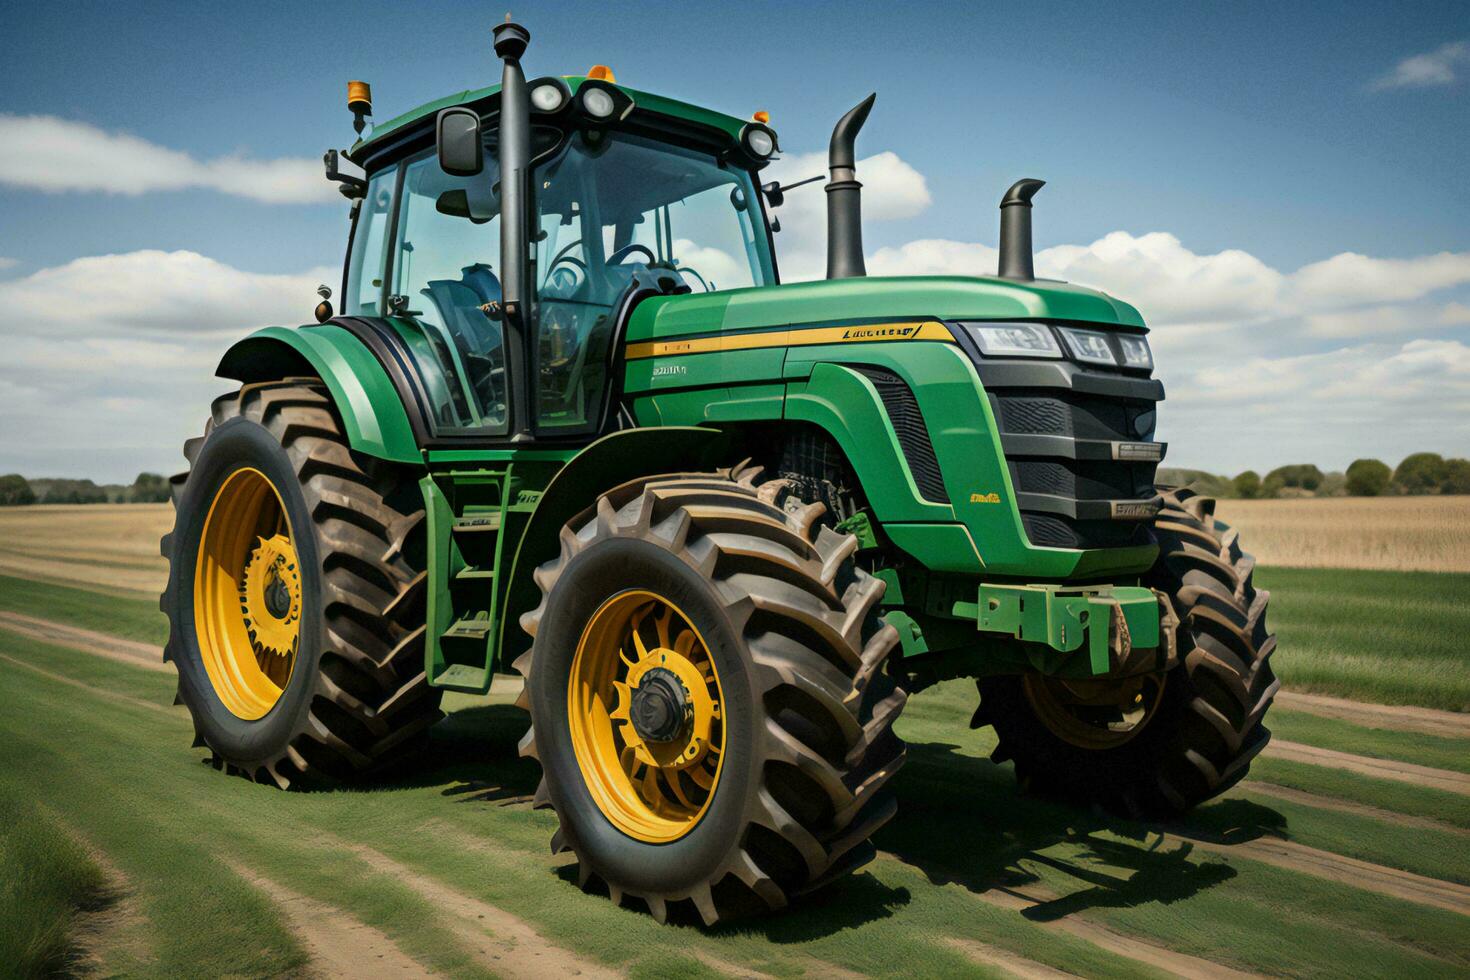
<point x="1015" y="230"/>
<point x="844" y="197"/>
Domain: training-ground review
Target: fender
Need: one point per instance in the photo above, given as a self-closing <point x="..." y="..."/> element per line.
<point x="609" y="462"/>
<point x="372" y="411"/>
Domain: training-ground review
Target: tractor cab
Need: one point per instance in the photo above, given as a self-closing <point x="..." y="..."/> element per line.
<point x="661" y="204"/>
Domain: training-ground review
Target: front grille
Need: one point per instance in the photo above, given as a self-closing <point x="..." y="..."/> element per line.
<point x="1079" y="446"/>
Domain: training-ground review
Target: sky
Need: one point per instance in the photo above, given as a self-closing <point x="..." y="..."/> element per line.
<point x="1280" y="188"/>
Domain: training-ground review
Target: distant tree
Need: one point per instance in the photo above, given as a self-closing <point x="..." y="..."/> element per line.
<point x="1368" y="477"/>
<point x="15" y="490"/>
<point x="1248" y="485"/>
<point x="1334" y="484"/>
<point x="149" y="488"/>
<point x="1299" y="476"/>
<point x="74" y="492"/>
<point x="1420" y="473"/>
<point x="1456" y="476"/>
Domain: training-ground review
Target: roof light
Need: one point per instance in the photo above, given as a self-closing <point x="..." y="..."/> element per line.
<point x="547" y="98"/>
<point x="360" y="97"/>
<point x="602" y="73"/>
<point x="598" y="103"/>
<point x="762" y="116"/>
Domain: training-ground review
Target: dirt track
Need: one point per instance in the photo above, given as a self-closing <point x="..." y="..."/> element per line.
<point x="1398" y="717"/>
<point x="127" y="651"/>
<point x="1402" y="772"/>
<point x="338" y="945"/>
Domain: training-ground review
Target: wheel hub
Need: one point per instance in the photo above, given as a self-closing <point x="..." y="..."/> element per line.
<point x="661" y="708"/>
<point x="270" y="595"/>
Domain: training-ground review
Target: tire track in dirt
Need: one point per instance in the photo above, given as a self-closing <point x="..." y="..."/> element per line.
<point x="1407" y="820"/>
<point x="1004" y="960"/>
<point x="101" y="644"/>
<point x="1397" y="717"/>
<point x="1402" y="772"/>
<point x="1129" y="947"/>
<point x="116" y="925"/>
<point x="72" y="682"/>
<point x="336" y="944"/>
<point x="500" y="940"/>
<point x="810" y="965"/>
<point x="1017" y="899"/>
<point x="1339" y="868"/>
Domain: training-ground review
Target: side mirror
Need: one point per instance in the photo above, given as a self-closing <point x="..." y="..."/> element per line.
<point x="351" y="187"/>
<point x="460" y="142"/>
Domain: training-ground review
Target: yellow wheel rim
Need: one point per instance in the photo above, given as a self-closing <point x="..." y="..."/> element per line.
<point x="646" y="716"/>
<point x="1095" y="714"/>
<point x="247" y="595"/>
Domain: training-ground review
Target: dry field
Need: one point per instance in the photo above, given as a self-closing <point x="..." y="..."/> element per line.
<point x="111" y="546"/>
<point x="1428" y="534"/>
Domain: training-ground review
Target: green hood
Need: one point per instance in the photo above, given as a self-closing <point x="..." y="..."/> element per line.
<point x="878" y="297"/>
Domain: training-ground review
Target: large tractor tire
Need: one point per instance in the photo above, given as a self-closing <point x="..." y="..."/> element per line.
<point x="1161" y="743"/>
<point x="708" y="696"/>
<point x="295" y="595"/>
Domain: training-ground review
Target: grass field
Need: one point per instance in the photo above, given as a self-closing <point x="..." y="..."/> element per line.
<point x="121" y="854"/>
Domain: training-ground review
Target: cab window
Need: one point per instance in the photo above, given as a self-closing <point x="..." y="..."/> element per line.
<point x="443" y="275"/>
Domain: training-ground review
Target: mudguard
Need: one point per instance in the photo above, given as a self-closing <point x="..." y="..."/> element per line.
<point x="372" y="413"/>
<point x="609" y="462"/>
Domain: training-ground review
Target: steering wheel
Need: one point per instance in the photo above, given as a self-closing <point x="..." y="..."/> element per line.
<point x="617" y="257"/>
<point x="565" y="279"/>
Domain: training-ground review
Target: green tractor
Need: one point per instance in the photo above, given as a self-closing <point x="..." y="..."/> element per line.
<point x="569" y="422"/>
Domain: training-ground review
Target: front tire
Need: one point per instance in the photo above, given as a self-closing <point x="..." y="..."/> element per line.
<point x="295" y="596"/>
<point x="735" y="593"/>
<point x="1199" y="724"/>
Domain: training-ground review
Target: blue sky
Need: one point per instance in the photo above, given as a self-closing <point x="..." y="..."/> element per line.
<point x="1291" y="133"/>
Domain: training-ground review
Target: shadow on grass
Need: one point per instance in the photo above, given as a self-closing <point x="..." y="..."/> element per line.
<point x="961" y="820"/>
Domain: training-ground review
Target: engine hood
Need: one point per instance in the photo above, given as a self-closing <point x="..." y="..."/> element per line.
<point x="878" y="297"/>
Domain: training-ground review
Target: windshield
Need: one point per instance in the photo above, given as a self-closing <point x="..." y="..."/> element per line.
<point x="606" y="206"/>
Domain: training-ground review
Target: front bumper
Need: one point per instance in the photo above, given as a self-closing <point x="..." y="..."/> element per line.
<point x="1120" y="630"/>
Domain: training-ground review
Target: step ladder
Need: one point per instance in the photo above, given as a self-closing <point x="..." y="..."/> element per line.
<point x="474" y="524"/>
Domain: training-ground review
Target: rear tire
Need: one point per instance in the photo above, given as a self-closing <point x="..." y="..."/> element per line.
<point x="1200" y="737"/>
<point x="356" y="697"/>
<point x="789" y="631"/>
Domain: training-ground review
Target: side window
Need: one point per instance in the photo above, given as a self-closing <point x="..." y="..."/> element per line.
<point x="365" y="272"/>
<point x="448" y="239"/>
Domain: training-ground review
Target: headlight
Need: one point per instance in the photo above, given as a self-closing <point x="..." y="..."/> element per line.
<point x="546" y="98"/>
<point x="1014" y="339"/>
<point x="1088" y="346"/>
<point x="1135" y="352"/>
<point x="598" y="102"/>
<point x="760" y="142"/>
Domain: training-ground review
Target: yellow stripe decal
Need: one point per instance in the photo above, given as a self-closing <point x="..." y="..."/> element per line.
<point x="866" y="333"/>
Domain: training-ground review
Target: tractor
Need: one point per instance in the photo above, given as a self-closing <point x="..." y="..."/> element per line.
<point x="569" y="422"/>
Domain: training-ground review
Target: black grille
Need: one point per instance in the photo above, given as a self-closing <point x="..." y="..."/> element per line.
<point x="908" y="423"/>
<point x="1063" y="429"/>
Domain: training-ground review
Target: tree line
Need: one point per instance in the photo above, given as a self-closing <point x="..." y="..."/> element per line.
<point x="1418" y="474"/>
<point x="16" y="490"/>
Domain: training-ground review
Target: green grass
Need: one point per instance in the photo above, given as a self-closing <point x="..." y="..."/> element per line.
<point x="1387" y="637"/>
<point x="120" y="616"/>
<point x="1331" y="733"/>
<point x="1450" y="808"/>
<point x="124" y="777"/>
<point x="46" y="882"/>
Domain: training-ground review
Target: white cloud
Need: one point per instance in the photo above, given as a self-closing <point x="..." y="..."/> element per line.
<point x="6" y="263"/>
<point x="128" y="358"/>
<point x="892" y="190"/>
<point x="50" y="154"/>
<point x="1425" y="70"/>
